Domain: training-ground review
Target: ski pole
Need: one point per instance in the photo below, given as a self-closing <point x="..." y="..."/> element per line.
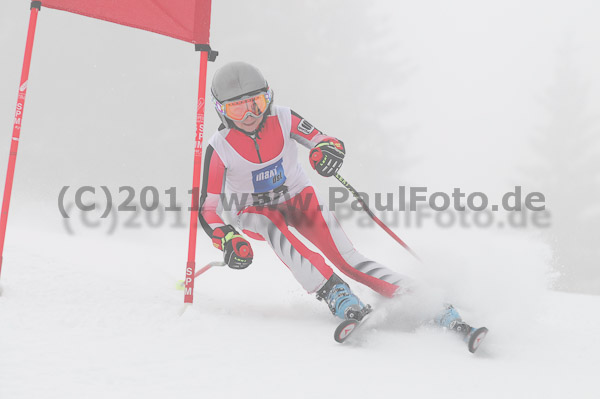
<point x="181" y="283"/>
<point x="372" y="215"/>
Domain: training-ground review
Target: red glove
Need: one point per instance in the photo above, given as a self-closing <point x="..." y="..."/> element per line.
<point x="327" y="157"/>
<point x="237" y="252"/>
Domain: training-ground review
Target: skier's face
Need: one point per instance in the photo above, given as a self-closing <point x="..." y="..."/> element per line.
<point x="249" y="124"/>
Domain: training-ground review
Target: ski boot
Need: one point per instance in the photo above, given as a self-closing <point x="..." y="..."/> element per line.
<point x="341" y="301"/>
<point x="450" y="319"/>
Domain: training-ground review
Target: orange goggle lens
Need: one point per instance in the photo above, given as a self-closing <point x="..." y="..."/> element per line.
<point x="237" y="110"/>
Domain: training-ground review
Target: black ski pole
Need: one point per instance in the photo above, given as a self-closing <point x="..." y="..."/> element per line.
<point x="372" y="215"/>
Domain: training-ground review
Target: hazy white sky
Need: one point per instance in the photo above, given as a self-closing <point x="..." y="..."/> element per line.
<point x="483" y="66"/>
<point x="472" y="98"/>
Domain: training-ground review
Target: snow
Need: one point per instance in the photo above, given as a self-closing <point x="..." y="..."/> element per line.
<point x="97" y="317"/>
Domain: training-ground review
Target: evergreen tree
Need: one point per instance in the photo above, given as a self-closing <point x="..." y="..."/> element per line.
<point x="568" y="173"/>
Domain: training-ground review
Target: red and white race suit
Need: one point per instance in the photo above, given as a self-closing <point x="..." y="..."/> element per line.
<point x="260" y="182"/>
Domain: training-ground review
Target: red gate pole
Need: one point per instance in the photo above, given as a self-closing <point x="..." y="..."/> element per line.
<point x="14" y="144"/>
<point x="206" y="54"/>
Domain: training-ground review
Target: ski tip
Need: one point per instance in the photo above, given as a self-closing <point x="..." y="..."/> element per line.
<point x="180" y="285"/>
<point x="476" y="337"/>
<point x="343" y="331"/>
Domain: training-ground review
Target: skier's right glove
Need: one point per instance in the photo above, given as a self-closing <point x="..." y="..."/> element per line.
<point x="237" y="252"/>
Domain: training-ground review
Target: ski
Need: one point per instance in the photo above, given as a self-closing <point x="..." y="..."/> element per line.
<point x="475" y="337"/>
<point x="471" y="336"/>
<point x="345" y="329"/>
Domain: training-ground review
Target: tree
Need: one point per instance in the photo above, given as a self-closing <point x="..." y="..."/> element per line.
<point x="568" y="171"/>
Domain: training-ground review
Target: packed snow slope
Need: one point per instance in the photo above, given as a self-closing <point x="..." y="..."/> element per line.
<point x="93" y="316"/>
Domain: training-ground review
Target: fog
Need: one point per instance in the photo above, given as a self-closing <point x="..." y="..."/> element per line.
<point x="483" y="96"/>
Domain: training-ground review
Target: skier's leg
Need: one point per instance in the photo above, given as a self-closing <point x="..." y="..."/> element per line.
<point x="315" y="222"/>
<point x="308" y="267"/>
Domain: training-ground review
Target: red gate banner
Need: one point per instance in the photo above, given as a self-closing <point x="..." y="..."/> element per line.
<point x="187" y="20"/>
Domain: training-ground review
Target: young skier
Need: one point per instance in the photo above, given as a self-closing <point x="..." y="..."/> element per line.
<point x="253" y="157"/>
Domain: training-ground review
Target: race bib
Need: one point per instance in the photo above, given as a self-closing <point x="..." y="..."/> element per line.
<point x="269" y="177"/>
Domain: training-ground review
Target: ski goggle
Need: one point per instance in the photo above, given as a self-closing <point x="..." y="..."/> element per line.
<point x="238" y="110"/>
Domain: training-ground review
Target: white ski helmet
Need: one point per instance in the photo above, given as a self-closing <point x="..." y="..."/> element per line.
<point x="237" y="80"/>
